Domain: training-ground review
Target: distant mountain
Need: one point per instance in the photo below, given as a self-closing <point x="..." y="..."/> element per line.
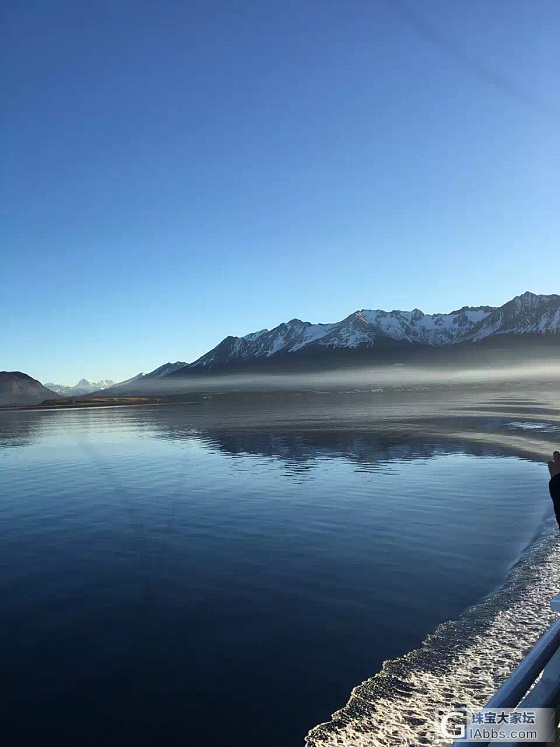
<point x="132" y="379"/>
<point x="144" y="382"/>
<point x="522" y="330"/>
<point x="385" y="332"/>
<point x="17" y="388"/>
<point x="84" y="386"/>
<point x="525" y="330"/>
<point x="161" y="371"/>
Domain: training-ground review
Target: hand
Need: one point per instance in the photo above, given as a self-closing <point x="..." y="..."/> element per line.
<point x="554" y="465"/>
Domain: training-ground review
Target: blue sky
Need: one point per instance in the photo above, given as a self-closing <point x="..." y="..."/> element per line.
<point x="178" y="171"/>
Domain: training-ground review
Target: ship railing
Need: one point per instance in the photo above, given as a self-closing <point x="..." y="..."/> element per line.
<point x="518" y="691"/>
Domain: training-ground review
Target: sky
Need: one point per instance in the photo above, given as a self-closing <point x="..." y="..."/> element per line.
<point x="175" y="172"/>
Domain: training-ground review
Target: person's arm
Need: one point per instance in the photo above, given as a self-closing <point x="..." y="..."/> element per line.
<point x="554" y="484"/>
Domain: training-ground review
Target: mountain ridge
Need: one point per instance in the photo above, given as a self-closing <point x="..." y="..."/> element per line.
<point x="524" y="328"/>
<point x="18" y="388"/>
<point x="367" y="328"/>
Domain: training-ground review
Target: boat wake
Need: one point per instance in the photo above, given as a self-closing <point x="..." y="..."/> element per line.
<point x="461" y="664"/>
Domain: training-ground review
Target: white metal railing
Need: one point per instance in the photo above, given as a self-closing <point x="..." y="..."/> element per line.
<point x="543" y="658"/>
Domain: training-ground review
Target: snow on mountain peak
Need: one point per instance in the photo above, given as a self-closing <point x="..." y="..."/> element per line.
<point x="255" y="335"/>
<point x="527" y="299"/>
<point x="84" y="386"/>
<point x="527" y="313"/>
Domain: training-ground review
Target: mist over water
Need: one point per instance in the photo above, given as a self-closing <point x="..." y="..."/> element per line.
<point x="498" y="371"/>
<point x="228" y="573"/>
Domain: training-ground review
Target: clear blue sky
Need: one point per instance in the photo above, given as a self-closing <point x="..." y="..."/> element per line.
<point x="178" y="171"/>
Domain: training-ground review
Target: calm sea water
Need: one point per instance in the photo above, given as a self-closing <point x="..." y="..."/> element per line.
<point x="225" y="574"/>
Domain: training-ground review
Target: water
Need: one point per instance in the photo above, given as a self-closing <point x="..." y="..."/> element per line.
<point x="227" y="573"/>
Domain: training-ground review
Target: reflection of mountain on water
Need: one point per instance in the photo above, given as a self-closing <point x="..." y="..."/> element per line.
<point x="369" y="430"/>
<point x="370" y="434"/>
<point x="369" y="451"/>
<point x="190" y="542"/>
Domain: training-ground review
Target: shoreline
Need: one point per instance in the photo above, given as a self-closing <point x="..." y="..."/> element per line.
<point x="96" y="403"/>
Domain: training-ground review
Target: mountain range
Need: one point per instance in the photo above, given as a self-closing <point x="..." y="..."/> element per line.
<point x="526" y="326"/>
<point x="524" y="330"/>
<point x="524" y="314"/>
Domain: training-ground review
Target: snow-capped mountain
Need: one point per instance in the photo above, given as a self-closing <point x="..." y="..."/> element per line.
<point x="84" y="386"/>
<point x="522" y="330"/>
<point x="525" y="314"/>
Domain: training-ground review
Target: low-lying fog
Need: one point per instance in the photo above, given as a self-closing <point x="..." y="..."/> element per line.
<point x="363" y="378"/>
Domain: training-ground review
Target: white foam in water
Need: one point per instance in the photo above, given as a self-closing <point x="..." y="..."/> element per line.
<point x="461" y="664"/>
